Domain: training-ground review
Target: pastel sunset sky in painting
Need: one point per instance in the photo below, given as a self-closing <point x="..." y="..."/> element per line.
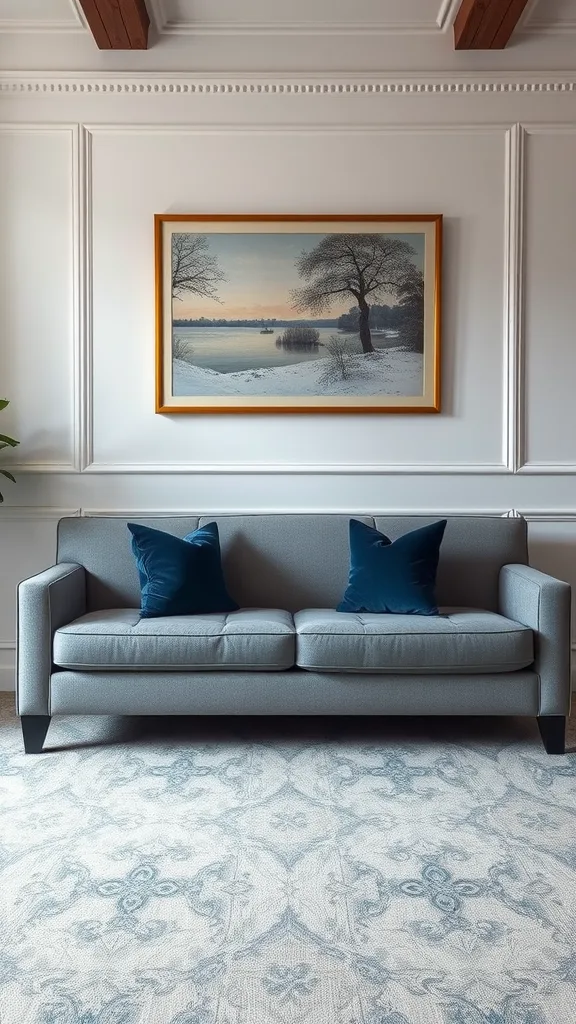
<point x="260" y="273"/>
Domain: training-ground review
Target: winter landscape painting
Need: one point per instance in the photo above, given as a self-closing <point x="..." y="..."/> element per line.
<point x="297" y="313"/>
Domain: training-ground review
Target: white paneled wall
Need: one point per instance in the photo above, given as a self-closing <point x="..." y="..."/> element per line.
<point x="36" y="289"/>
<point x="85" y="162"/>
<point x="550" y="298"/>
<point x="140" y="171"/>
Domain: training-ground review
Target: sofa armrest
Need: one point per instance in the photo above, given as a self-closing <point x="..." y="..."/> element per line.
<point x="543" y="603"/>
<point x="45" y="602"/>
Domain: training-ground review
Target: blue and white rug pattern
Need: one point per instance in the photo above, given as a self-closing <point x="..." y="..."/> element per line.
<point x="266" y="873"/>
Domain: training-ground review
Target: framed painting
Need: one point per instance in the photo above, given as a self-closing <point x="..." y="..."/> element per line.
<point x="298" y="314"/>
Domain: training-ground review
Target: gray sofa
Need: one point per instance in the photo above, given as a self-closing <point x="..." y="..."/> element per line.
<point x="501" y="645"/>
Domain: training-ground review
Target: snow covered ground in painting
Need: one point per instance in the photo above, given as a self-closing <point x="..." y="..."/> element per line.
<point x="393" y="372"/>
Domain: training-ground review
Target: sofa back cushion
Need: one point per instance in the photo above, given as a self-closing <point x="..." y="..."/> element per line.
<point x="102" y="544"/>
<point x="473" y="551"/>
<point x="286" y="561"/>
<point x="294" y="561"/>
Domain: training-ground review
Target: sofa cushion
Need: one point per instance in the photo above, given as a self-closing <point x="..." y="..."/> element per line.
<point x="393" y="577"/>
<point x="118" y="638"/>
<point x="180" y="577"/>
<point x="458" y="639"/>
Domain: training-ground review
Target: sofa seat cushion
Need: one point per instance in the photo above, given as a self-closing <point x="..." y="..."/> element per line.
<point x="118" y="638"/>
<point x="456" y="640"/>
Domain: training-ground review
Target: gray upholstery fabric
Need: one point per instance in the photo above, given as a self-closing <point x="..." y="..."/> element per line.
<point x="473" y="551"/>
<point x="102" y="545"/>
<point x="285" y="561"/>
<point x="45" y="602"/>
<point x="291" y="693"/>
<point x="543" y="603"/>
<point x="458" y="640"/>
<point x="294" y="561"/>
<point x="252" y="638"/>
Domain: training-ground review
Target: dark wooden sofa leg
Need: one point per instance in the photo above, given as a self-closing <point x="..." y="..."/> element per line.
<point x="34" y="729"/>
<point x="553" y="730"/>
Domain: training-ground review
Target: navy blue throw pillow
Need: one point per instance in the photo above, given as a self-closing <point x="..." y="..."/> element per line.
<point x="397" y="578"/>
<point x="180" y="577"/>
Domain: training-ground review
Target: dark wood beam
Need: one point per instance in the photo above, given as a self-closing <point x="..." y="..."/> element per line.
<point x="118" y="24"/>
<point x="486" y="24"/>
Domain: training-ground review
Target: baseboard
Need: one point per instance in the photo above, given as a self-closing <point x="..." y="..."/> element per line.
<point x="7" y="668"/>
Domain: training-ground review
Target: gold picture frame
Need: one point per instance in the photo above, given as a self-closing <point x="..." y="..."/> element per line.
<point x="272" y="277"/>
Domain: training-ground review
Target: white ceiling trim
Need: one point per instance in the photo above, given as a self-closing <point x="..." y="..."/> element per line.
<point x="164" y="26"/>
<point x="533" y="22"/>
<point x="37" y="26"/>
<point x="40" y="25"/>
<point x="187" y="84"/>
<point x="446" y="14"/>
<point x="549" y="28"/>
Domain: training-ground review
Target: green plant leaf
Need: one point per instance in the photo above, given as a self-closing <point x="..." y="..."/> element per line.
<point x="9" y="440"/>
<point x="4" y="472"/>
<point x="3" y="403"/>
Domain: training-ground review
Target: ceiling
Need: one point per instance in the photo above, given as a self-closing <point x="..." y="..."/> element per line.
<point x="325" y="17"/>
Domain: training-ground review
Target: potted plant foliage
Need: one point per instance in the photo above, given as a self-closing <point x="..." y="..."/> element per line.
<point x="6" y="442"/>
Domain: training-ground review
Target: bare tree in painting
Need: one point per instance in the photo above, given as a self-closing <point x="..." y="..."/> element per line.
<point x="194" y="269"/>
<point x="368" y="267"/>
<point x="342" y="362"/>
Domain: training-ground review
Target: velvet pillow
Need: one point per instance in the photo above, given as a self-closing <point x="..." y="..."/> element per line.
<point x="180" y="577"/>
<point x="395" y="577"/>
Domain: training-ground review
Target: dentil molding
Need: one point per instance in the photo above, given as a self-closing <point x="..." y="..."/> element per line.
<point x="12" y="82"/>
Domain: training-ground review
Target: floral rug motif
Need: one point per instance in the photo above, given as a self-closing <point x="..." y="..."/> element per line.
<point x="278" y="871"/>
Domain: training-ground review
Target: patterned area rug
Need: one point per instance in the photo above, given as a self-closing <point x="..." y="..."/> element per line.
<point x="274" y="871"/>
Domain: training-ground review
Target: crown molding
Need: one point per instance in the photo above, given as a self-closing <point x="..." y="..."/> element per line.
<point x="45" y="82"/>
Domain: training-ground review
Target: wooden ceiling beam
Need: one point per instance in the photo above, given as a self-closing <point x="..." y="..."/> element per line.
<point x="117" y="24"/>
<point x="486" y="24"/>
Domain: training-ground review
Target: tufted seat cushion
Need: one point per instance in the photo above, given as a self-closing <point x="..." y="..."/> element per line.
<point x="457" y="640"/>
<point x="118" y="639"/>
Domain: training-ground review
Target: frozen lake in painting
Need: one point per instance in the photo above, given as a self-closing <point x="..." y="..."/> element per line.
<point x="232" y="349"/>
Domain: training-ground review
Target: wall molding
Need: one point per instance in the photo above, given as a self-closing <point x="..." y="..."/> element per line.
<point x="16" y="513"/>
<point x="547" y="469"/>
<point x="82" y="299"/>
<point x="145" y="513"/>
<point x="56" y="83"/>
<point x="513" y="438"/>
<point x="513" y="431"/>
<point x="513" y="170"/>
<point x="298" y="469"/>
<point x="527" y="467"/>
<point x="549" y="515"/>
